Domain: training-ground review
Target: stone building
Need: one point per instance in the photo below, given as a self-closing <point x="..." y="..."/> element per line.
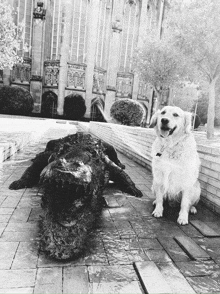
<point x="84" y="47"/>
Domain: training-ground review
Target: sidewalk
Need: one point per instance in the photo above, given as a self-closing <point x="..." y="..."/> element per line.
<point x="130" y="252"/>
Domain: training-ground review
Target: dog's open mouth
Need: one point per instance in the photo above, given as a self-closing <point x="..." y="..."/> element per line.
<point x="165" y="131"/>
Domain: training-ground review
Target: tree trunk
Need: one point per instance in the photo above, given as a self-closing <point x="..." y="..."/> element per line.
<point x="211" y="109"/>
<point x="159" y="99"/>
<point x="64" y="55"/>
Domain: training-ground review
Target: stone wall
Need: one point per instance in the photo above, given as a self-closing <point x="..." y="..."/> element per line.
<point x="136" y="142"/>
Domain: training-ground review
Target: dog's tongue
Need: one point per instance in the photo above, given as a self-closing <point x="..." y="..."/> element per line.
<point x="165" y="133"/>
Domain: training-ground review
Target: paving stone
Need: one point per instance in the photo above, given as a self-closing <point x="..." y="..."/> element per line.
<point x="191" y="231"/>
<point x="78" y="284"/>
<point x="23" y="236"/>
<point x="204" y="229"/>
<point x="26" y="255"/>
<point x="49" y="280"/>
<point x="194" y="251"/>
<point x="6" y="210"/>
<point x="207" y="284"/>
<point x="7" y="253"/>
<point x="11" y="201"/>
<point x="175" y="279"/>
<point x="211" y="246"/>
<point x="157" y="255"/>
<point x="173" y="249"/>
<point x="111" y="202"/>
<point x="5" y="218"/>
<point x="35" y="214"/>
<point x="116" y="288"/>
<point x="144" y="207"/>
<point x="17" y="291"/>
<point x="198" y="268"/>
<point x="20" y="215"/>
<point x="151" y="278"/>
<point x="17" y="278"/>
<point x="119" y="273"/>
<point x="29" y="202"/>
<point x="45" y="262"/>
<point x="20" y="227"/>
<point x="137" y="255"/>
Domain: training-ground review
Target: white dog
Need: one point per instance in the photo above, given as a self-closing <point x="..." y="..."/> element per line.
<point x="175" y="162"/>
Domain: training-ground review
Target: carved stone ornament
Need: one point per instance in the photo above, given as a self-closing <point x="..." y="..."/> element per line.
<point x="36" y="78"/>
<point x="76" y="76"/>
<point x="99" y="81"/>
<point x="124" y="85"/>
<point x="39" y="11"/>
<point x="51" y="72"/>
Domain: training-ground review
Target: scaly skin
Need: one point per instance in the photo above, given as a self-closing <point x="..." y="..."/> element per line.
<point x="73" y="172"/>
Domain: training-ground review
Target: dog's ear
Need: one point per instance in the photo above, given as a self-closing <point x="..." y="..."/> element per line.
<point x="153" y="121"/>
<point x="188" y="122"/>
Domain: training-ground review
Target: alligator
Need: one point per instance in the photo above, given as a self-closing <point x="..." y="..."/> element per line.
<point x="73" y="172"/>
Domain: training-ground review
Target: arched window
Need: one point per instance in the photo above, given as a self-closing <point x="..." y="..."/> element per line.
<point x="24" y="14"/>
<point x="129" y="34"/>
<point x="104" y="23"/>
<point x="78" y="42"/>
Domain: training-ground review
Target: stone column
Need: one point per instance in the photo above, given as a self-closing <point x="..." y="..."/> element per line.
<point x="6" y="77"/>
<point x="92" y="30"/>
<point x="37" y="55"/>
<point x="114" y="55"/>
<point x="142" y="33"/>
<point x="64" y="54"/>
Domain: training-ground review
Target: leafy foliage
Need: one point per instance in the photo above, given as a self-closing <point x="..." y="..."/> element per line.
<point x="128" y="112"/>
<point x="10" y="37"/>
<point x="74" y="106"/>
<point x="196" y="31"/>
<point x="15" y="100"/>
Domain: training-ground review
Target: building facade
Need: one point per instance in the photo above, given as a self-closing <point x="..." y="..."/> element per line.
<point x="84" y="47"/>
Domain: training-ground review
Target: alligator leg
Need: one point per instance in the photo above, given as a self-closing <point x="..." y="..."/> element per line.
<point x="121" y="178"/>
<point x="112" y="154"/>
<point x="31" y="175"/>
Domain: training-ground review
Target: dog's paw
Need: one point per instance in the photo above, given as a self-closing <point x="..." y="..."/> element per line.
<point x="183" y="219"/>
<point x="193" y="210"/>
<point x="158" y="212"/>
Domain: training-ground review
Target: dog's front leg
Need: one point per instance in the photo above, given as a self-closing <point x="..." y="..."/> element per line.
<point x="158" y="211"/>
<point x="184" y="208"/>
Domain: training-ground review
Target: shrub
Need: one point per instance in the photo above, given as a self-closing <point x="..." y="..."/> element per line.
<point x="127" y="112"/>
<point x="15" y="100"/>
<point x="74" y="106"/>
<point x="49" y="104"/>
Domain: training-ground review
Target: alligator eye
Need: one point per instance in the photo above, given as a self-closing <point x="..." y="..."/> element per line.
<point x="175" y="114"/>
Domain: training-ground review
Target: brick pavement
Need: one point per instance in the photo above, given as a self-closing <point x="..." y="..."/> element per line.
<point x="129" y="250"/>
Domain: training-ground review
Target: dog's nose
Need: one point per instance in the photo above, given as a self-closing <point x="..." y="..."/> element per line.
<point x="164" y="121"/>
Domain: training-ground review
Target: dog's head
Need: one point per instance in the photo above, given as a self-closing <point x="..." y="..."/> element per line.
<point x="171" y="121"/>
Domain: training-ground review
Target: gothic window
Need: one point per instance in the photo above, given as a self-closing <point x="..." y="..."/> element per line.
<point x="78" y="42"/>
<point x="23" y="14"/>
<point x="56" y="29"/>
<point x="129" y="34"/>
<point x="103" y="30"/>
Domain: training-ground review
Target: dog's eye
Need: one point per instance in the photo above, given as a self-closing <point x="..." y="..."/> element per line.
<point x="175" y="114"/>
<point x="163" y="112"/>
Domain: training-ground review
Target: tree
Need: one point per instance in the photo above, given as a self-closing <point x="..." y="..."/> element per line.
<point x="10" y="37"/>
<point x="196" y="31"/>
<point x="159" y="63"/>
